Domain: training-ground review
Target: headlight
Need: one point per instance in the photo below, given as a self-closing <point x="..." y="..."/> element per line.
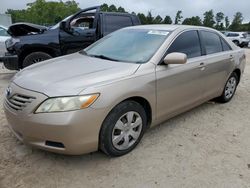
<point x="11" y="42"/>
<point x="62" y="104"/>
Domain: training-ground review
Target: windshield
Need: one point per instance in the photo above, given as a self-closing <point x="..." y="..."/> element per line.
<point x="58" y="24"/>
<point x="128" y="45"/>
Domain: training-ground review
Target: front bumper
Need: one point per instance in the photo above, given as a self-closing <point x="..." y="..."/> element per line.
<point x="10" y="61"/>
<point x="75" y="132"/>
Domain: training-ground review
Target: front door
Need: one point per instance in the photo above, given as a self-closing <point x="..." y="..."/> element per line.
<point x="82" y="33"/>
<point x="179" y="87"/>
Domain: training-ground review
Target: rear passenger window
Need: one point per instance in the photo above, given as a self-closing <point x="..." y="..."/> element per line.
<point x="225" y="45"/>
<point x="212" y="42"/>
<point x="115" y="22"/>
<point x="187" y="43"/>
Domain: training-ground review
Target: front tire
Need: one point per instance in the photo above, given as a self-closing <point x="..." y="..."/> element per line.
<point x="35" y="57"/>
<point x="123" y="129"/>
<point x="229" y="89"/>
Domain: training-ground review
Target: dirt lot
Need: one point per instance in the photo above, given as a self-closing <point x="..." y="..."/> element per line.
<point x="206" y="147"/>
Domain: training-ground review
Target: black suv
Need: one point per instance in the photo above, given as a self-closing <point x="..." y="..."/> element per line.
<point x="32" y="43"/>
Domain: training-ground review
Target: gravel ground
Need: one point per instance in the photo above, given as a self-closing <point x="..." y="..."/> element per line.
<point x="205" y="147"/>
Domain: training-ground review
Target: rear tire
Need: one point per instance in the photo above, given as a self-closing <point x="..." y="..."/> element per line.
<point x="35" y="57"/>
<point x="229" y="89"/>
<point x="123" y="129"/>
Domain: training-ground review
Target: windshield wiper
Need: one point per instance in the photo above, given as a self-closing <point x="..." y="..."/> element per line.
<point x="104" y="57"/>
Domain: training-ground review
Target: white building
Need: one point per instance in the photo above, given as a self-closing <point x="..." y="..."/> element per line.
<point x="5" y="20"/>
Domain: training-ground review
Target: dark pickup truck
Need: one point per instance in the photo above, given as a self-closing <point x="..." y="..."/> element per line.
<point x="32" y="43"/>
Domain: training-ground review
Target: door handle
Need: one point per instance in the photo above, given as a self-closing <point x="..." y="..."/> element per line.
<point x="89" y="34"/>
<point x="231" y="58"/>
<point x="202" y="66"/>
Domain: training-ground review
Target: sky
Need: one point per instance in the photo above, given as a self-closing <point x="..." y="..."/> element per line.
<point x="161" y="7"/>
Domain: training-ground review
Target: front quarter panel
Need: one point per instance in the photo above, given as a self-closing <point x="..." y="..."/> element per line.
<point x="141" y="84"/>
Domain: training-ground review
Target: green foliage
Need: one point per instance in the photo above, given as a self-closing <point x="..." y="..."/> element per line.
<point x="195" y="20"/>
<point x="209" y="18"/>
<point x="142" y="18"/>
<point x="167" y="20"/>
<point x="112" y="8"/>
<point x="150" y="18"/>
<point x="227" y="22"/>
<point x="237" y="22"/>
<point x="219" y="17"/>
<point x="178" y="17"/>
<point x="158" y="20"/>
<point x="44" y="13"/>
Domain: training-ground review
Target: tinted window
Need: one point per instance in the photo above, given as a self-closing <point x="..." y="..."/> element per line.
<point x="115" y="22"/>
<point x="212" y="42"/>
<point x="225" y="45"/>
<point x="188" y="43"/>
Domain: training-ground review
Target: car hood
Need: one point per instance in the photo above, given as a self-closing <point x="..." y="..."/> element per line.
<point x="69" y="75"/>
<point x="21" y="29"/>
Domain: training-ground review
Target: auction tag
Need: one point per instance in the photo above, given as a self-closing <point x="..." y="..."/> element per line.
<point x="157" y="32"/>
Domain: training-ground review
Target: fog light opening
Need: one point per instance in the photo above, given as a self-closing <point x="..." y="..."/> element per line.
<point x="54" y="144"/>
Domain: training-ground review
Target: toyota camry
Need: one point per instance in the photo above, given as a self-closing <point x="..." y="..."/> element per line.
<point x="106" y="96"/>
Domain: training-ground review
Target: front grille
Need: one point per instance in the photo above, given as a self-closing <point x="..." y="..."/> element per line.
<point x="18" y="101"/>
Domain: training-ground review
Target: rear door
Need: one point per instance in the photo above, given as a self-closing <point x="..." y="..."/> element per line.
<point x="112" y="22"/>
<point x="219" y="63"/>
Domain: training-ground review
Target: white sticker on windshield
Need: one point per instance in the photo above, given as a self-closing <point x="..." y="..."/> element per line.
<point x="155" y="32"/>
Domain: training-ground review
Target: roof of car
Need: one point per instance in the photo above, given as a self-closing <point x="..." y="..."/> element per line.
<point x="168" y="27"/>
<point x="237" y="32"/>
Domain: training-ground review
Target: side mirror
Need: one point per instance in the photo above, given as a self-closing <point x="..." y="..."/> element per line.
<point x="63" y="26"/>
<point x="175" y="58"/>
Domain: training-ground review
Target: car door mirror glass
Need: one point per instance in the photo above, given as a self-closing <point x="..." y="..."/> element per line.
<point x="175" y="58"/>
<point x="63" y="26"/>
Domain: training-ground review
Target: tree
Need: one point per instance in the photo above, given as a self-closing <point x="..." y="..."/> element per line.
<point x="219" y="17"/>
<point x="227" y="22"/>
<point x="142" y="18"/>
<point x="157" y="20"/>
<point x="150" y="18"/>
<point x="104" y="7"/>
<point x="195" y="20"/>
<point x="112" y="8"/>
<point x="237" y="21"/>
<point x="167" y="20"/>
<point x="43" y="12"/>
<point x="121" y="9"/>
<point x="178" y="17"/>
<point x="208" y="20"/>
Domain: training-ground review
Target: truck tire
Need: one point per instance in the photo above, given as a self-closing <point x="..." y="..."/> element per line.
<point x="35" y="57"/>
<point x="237" y="43"/>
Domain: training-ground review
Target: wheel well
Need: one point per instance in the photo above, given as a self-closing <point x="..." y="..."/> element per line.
<point x="238" y="72"/>
<point x="31" y="50"/>
<point x="145" y="104"/>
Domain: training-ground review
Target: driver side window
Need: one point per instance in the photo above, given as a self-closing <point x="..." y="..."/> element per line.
<point x="82" y="23"/>
<point x="187" y="43"/>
